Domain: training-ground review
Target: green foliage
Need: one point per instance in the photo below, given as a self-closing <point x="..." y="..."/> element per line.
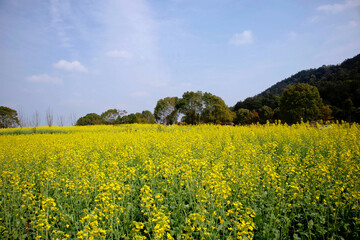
<point x="198" y="107"/>
<point x="335" y="83"/>
<point x="265" y="114"/>
<point x="244" y="116"/>
<point x="147" y="117"/>
<point x="144" y="117"/>
<point x="300" y="102"/>
<point x="348" y="110"/>
<point x="326" y="113"/>
<point x="111" y="116"/>
<point x="34" y="130"/>
<point x="129" y="119"/>
<point x="255" y="103"/>
<point x="165" y="111"/>
<point x="191" y="105"/>
<point x="8" y="117"/>
<point x="90" y="119"/>
<point x="215" y="110"/>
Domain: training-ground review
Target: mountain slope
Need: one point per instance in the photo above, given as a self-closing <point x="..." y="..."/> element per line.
<point x="339" y="87"/>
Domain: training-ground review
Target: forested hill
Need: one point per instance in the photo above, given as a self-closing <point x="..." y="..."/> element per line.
<point x="347" y="73"/>
<point x="338" y="85"/>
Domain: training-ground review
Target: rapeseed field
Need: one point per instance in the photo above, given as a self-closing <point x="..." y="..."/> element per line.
<point x="180" y="182"/>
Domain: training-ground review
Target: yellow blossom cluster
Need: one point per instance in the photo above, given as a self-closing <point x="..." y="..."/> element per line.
<point x="180" y="182"/>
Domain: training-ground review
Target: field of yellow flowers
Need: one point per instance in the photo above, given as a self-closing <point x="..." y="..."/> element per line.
<point x="180" y="182"/>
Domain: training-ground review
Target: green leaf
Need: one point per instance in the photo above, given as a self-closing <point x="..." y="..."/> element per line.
<point x="310" y="224"/>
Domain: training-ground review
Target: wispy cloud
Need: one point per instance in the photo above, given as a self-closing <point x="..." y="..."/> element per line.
<point x="119" y="54"/>
<point x="348" y="26"/>
<point x="313" y="19"/>
<point x="134" y="38"/>
<point x="74" y="66"/>
<point x="352" y="24"/>
<point x="339" y="7"/>
<point x="246" y="37"/>
<point x="44" y="78"/>
<point x="57" y="22"/>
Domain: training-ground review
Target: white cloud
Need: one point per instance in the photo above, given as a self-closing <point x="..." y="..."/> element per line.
<point x="44" y="78"/>
<point x="74" y="66"/>
<point x="313" y="19"/>
<point x="121" y="54"/>
<point x="349" y="25"/>
<point x="338" y="7"/>
<point x="245" y="37"/>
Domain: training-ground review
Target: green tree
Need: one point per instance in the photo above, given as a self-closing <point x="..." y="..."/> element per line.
<point x="8" y="117"/>
<point x="191" y="106"/>
<point x="111" y="116"/>
<point x="129" y="119"/>
<point x="357" y="114"/>
<point x="265" y="114"/>
<point x="326" y="112"/>
<point x="198" y="107"/>
<point x="215" y="110"/>
<point x="90" y="119"/>
<point x="251" y="103"/>
<point x="144" y="117"/>
<point x="244" y="116"/>
<point x="348" y="110"/>
<point x="148" y="116"/>
<point x="165" y="111"/>
<point x="300" y="102"/>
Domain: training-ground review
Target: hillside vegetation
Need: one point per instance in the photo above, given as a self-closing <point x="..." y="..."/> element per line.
<point x="338" y="85"/>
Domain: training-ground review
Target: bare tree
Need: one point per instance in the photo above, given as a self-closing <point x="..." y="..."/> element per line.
<point x="61" y="120"/>
<point x="36" y="119"/>
<point x="21" y="117"/>
<point x="27" y="121"/>
<point x="73" y="119"/>
<point x="49" y="117"/>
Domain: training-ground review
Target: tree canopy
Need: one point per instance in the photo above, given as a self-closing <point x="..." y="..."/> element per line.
<point x="8" y="117"/>
<point x="147" y="117"/>
<point x="143" y="117"/>
<point x="111" y="116"/>
<point x="300" y="102"/>
<point x="90" y="119"/>
<point x="191" y="106"/>
<point x="244" y="116"/>
<point x="198" y="107"/>
<point x="165" y="111"/>
<point x="215" y="110"/>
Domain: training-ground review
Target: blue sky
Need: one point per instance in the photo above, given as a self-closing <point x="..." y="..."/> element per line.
<point x="90" y="56"/>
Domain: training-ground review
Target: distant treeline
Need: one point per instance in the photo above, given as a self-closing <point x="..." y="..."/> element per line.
<point x="116" y="116"/>
<point x="326" y="93"/>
